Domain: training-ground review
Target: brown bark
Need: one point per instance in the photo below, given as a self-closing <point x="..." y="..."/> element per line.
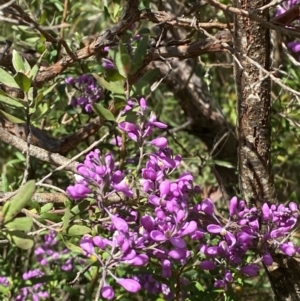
<point x="252" y="42"/>
<point x="253" y="90"/>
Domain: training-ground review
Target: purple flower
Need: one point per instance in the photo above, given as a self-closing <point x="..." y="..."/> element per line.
<point x="288" y="248"/>
<point x="250" y="270"/>
<point x="233" y="206"/>
<point x="90" y="92"/>
<point x="161" y="142"/>
<point x="86" y="243"/>
<point x="78" y="191"/>
<point x="207" y="206"/>
<point x="107" y="292"/>
<point x="207" y="265"/>
<point x="267" y="259"/>
<point x="108" y="64"/>
<point x="130" y="285"/>
<point x="4" y="281"/>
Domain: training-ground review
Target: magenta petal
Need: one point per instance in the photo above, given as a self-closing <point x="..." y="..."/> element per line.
<point x="293" y="206"/>
<point x="230" y="238"/>
<point x="267" y="259"/>
<point x="207" y="206"/>
<point x="119" y="223"/>
<point x="233" y="206"/>
<point x="107" y="292"/>
<point x="214" y="228"/>
<point x="99" y="242"/>
<point x="207" y="265"/>
<point x="250" y="270"/>
<point x="189" y="228"/>
<point x="178" y="242"/>
<point x="288" y="248"/>
<point x="155" y="200"/>
<point x="130" y="285"/>
<point x="266" y="212"/>
<point x="127" y="126"/>
<point x="86" y="243"/>
<point x="130" y="254"/>
<point x="164" y="188"/>
<point x="157" y="235"/>
<point x="178" y="254"/>
<point x="161" y="142"/>
<point x="138" y="260"/>
<point x="147" y="222"/>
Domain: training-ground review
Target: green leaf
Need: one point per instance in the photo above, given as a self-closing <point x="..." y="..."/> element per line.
<point x="4" y="183"/>
<point x="140" y="53"/>
<point x="80" y="208"/>
<point x="123" y="60"/>
<point x="17" y="61"/>
<point x="19" y="201"/>
<point x="78" y="230"/>
<point x="112" y="75"/>
<point x="20" y="239"/>
<point x="23" y="81"/>
<point x="115" y="87"/>
<point x="27" y="67"/>
<point x="73" y="247"/>
<point x="7" y="79"/>
<point x="11" y="118"/>
<point x="34" y="71"/>
<point x="143" y="86"/>
<point x="20" y="223"/>
<point x="50" y="216"/>
<point x="46" y="208"/>
<point x="66" y="219"/>
<point x="8" y="100"/>
<point x="103" y="112"/>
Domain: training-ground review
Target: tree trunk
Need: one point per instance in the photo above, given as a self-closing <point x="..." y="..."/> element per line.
<point x="252" y="42"/>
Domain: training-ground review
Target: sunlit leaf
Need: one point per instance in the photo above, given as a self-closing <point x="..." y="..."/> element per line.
<point x="45" y="208"/>
<point x="20" y="223"/>
<point x="140" y="53"/>
<point x="17" y="61"/>
<point x="7" y="79"/>
<point x="11" y="118"/>
<point x="103" y="112"/>
<point x="78" y="230"/>
<point x="20" y="239"/>
<point x="23" y="81"/>
<point x="66" y="218"/>
<point x="116" y="87"/>
<point x="19" y="201"/>
<point x="4" y="98"/>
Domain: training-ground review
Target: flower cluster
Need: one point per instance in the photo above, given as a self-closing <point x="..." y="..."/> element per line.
<point x="294" y="46"/>
<point x="34" y="292"/>
<point x="89" y="90"/>
<point x="48" y="253"/>
<point x="98" y="175"/>
<point x="172" y="223"/>
<point x="271" y="226"/>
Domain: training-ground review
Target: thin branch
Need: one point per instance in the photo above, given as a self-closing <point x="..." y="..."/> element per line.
<point x="38" y="152"/>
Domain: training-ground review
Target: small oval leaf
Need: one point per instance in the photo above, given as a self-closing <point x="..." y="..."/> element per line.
<point x="103" y="112"/>
<point x="17" y="61"/>
<point x="19" y="201"/>
<point x="20" y="223"/>
<point x="7" y="79"/>
<point x="20" y="239"/>
<point x="78" y="230"/>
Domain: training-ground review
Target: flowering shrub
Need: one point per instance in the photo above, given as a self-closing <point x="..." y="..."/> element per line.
<point x="294" y="46"/>
<point x="174" y="228"/>
<point x="90" y="92"/>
